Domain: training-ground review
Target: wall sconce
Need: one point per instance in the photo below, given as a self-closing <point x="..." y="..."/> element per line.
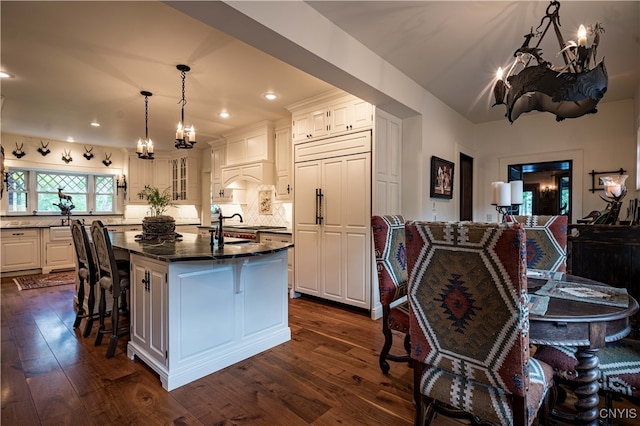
<point x="547" y="191"/>
<point x="506" y="196"/>
<point x="122" y="185"/>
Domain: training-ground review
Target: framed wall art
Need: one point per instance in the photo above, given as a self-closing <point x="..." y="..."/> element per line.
<point x="441" y="178"/>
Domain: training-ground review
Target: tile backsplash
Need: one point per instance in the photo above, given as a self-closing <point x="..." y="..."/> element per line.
<point x="281" y="213"/>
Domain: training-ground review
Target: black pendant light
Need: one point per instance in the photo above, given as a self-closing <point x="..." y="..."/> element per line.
<point x="185" y="136"/>
<point x="145" y="147"/>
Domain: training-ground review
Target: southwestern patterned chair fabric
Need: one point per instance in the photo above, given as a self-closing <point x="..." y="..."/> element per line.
<point x="546" y="241"/>
<point x="469" y="323"/>
<point x="391" y="263"/>
<point x="619" y="365"/>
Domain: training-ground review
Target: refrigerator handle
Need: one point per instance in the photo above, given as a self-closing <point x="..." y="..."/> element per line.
<point x="320" y="218"/>
<point x="317" y="204"/>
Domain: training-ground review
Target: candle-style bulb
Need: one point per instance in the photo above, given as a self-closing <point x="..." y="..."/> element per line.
<point x="500" y="73"/>
<point x="582" y="36"/>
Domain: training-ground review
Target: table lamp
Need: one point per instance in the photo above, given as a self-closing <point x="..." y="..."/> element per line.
<point x="614" y="191"/>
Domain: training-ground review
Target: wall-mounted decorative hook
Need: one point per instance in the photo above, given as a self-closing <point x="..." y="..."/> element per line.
<point x="66" y="157"/>
<point x="18" y="152"/>
<point x="87" y="153"/>
<point x="107" y="159"/>
<point x="44" y="150"/>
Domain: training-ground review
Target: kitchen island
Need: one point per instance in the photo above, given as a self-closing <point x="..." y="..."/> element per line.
<point x="196" y="309"/>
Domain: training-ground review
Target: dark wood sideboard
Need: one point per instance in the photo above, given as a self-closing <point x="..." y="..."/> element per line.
<point x="606" y="253"/>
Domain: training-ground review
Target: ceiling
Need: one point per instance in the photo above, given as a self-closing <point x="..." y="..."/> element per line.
<point x="76" y="62"/>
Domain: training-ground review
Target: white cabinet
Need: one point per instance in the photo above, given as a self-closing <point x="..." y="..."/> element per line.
<point x="20" y="249"/>
<point x="58" y="252"/>
<point x="266" y="237"/>
<point x="310" y="124"/>
<point x="140" y="174"/>
<point x="331" y="114"/>
<point x="184" y="178"/>
<point x="349" y="115"/>
<point x="283" y="164"/>
<point x="149" y="307"/>
<point x="207" y="315"/>
<point x="332" y="218"/>
<point x="219" y="194"/>
<point x="388" y="164"/>
<point x="154" y="173"/>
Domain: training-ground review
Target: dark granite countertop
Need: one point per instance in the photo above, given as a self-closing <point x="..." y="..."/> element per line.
<point x="192" y="247"/>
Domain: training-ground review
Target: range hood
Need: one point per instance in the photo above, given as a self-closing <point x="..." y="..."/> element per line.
<point x="262" y="172"/>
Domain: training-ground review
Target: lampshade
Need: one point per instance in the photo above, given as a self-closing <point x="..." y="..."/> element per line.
<point x="614" y="186"/>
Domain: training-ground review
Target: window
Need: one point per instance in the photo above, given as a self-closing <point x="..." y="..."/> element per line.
<point x="17" y="191"/>
<point x="46" y="192"/>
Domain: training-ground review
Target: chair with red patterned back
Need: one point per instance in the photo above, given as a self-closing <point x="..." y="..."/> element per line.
<point x="469" y="323"/>
<point x="391" y="263"/>
<point x="546" y="241"/>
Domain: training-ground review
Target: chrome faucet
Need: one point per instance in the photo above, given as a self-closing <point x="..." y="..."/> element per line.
<point x="220" y="232"/>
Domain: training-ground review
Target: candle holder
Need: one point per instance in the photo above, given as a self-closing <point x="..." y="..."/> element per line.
<point x="506" y="197"/>
<point x="614" y="191"/>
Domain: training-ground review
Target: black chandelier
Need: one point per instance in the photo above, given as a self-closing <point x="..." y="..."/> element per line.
<point x="185" y="136"/>
<point x="570" y="91"/>
<point x="145" y="147"/>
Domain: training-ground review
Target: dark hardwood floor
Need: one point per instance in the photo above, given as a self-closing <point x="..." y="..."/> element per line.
<point x="327" y="374"/>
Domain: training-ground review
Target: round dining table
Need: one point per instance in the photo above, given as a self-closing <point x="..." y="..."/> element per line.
<point x="588" y="327"/>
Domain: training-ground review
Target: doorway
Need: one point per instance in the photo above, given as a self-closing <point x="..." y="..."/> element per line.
<point x="466" y="187"/>
<point x="546" y="187"/>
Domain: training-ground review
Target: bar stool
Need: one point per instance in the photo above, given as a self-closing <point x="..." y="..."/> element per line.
<point x="113" y="278"/>
<point x="87" y="274"/>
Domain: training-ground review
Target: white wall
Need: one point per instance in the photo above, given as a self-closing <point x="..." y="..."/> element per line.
<point x="604" y="141"/>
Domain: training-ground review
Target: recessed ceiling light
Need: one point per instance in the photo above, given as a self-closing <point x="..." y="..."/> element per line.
<point x="224" y="114"/>
<point x="70" y="139"/>
<point x="4" y="74"/>
<point x="95" y="124"/>
<point x="270" y="96"/>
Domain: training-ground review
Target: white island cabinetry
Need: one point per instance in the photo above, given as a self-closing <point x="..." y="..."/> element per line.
<point x="149" y="301"/>
<point x="194" y="317"/>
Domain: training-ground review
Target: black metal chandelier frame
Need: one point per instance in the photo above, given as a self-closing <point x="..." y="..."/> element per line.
<point x="183" y="140"/>
<point x="570" y="91"/>
<point x="145" y="149"/>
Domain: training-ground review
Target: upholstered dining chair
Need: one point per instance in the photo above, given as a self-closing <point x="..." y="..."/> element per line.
<point x="391" y="263"/>
<point x="112" y="279"/>
<point x="619" y="368"/>
<point x="468" y="322"/>
<point x="87" y="276"/>
<point x="546" y="241"/>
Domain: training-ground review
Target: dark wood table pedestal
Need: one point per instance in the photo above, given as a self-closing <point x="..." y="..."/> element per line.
<point x="587" y="326"/>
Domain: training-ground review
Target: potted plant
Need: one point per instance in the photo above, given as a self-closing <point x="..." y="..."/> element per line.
<point x="157" y="225"/>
